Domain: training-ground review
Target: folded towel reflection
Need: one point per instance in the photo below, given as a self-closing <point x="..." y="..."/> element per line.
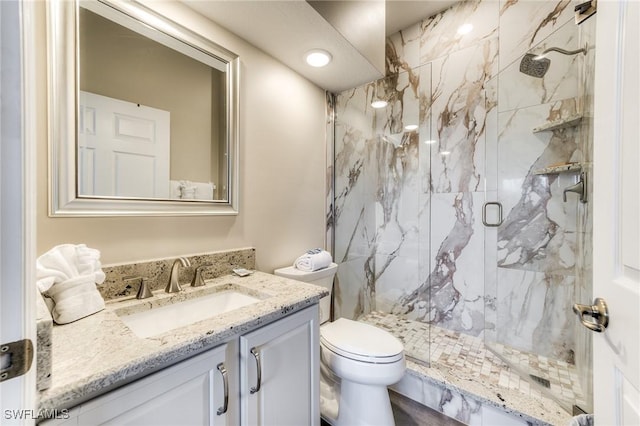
<point x="313" y="260"/>
<point x="67" y="275"/>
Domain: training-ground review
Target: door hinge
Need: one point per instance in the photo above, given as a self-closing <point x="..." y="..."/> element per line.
<point x="17" y="358"/>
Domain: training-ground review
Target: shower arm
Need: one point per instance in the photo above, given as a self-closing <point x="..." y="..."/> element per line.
<point x="565" y="52"/>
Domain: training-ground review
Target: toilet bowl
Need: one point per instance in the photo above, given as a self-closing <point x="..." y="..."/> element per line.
<point x="358" y="361"/>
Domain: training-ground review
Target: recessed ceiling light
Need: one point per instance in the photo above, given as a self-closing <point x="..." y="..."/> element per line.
<point x="318" y="58"/>
<point x="411" y="127"/>
<point x="465" y="29"/>
<point x="430" y="141"/>
<point x="379" y="104"/>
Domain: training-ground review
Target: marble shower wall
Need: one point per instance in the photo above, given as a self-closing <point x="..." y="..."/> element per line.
<point x="408" y="204"/>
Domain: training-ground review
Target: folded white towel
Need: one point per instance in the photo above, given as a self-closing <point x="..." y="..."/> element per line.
<point x="313" y="260"/>
<point x="188" y="190"/>
<point x="68" y="274"/>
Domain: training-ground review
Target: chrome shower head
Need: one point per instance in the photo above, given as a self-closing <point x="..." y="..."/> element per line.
<point x="538" y="65"/>
<point x="534" y="66"/>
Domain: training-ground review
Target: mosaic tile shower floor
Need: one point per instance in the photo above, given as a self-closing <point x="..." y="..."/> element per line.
<point x="454" y="350"/>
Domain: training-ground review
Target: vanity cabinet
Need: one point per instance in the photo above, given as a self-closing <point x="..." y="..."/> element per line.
<point x="279" y="372"/>
<point x="187" y="393"/>
<point x="271" y="375"/>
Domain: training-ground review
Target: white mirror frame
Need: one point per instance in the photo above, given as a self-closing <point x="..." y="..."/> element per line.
<point x="62" y="39"/>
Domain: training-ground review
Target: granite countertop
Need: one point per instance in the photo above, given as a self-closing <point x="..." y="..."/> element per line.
<point x="99" y="353"/>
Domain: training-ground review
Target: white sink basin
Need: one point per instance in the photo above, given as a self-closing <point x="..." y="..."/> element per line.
<point x="159" y="320"/>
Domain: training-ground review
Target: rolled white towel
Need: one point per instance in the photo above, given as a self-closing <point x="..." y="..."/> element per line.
<point x="313" y="260"/>
<point x="67" y="276"/>
<point x="75" y="298"/>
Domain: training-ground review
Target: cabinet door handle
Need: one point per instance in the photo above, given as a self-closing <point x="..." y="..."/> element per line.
<point x="225" y="384"/>
<point x="256" y="355"/>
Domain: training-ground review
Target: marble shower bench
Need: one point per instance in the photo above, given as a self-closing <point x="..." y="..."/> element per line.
<point x="464" y="380"/>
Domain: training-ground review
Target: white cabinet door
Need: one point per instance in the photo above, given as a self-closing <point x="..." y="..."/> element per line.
<point x="188" y="393"/>
<point x="279" y="379"/>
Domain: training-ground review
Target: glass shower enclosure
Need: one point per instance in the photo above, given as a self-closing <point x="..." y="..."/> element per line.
<point x="449" y="223"/>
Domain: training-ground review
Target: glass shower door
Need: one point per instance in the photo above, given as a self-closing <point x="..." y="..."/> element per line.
<point x="382" y="194"/>
<point x="538" y="258"/>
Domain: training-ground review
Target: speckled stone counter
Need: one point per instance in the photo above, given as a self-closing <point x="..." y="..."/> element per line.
<point x="99" y="353"/>
<point x="44" y="324"/>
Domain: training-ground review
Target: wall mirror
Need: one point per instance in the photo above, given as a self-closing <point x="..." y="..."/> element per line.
<point x="143" y="114"/>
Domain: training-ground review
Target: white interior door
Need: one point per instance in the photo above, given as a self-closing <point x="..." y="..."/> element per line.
<point x="616" y="180"/>
<point x="123" y="148"/>
<point x="17" y="206"/>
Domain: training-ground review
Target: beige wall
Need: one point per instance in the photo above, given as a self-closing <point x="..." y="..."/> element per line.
<point x="282" y="171"/>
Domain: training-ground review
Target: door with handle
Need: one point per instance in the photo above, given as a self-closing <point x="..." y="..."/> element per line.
<point x="616" y="198"/>
<point x="279" y="372"/>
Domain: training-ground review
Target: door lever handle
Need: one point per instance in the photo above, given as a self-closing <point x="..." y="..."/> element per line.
<point x="598" y="312"/>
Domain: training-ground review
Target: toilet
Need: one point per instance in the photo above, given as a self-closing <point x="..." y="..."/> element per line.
<point x="358" y="362"/>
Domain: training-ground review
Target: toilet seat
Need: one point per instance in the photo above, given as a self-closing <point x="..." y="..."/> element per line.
<point x="361" y="342"/>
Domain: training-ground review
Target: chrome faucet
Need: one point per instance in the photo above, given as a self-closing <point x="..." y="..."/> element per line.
<point x="173" y="286"/>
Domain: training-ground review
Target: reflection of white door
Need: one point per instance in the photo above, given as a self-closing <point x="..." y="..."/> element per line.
<point x="616" y="249"/>
<point x="123" y="148"/>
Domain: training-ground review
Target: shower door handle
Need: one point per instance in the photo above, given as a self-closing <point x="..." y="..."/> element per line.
<point x="598" y="312"/>
<point x="484" y="214"/>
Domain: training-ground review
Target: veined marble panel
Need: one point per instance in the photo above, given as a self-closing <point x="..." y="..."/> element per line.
<point x="402" y="49"/>
<point x="354" y="289"/>
<point x="397" y="200"/>
<point x="330" y="109"/>
<point x="468" y="276"/>
<point x="534" y="313"/>
<point x="355" y="178"/>
<point x="425" y="129"/>
<point x="459" y="112"/>
<point x="396" y="276"/>
<point x="440" y="35"/>
<point x="355" y="227"/>
<point x="524" y="23"/>
<point x="491" y="135"/>
<point x="519" y="90"/>
<point x="453" y="294"/>
<point x="401" y="92"/>
<point x="538" y="232"/>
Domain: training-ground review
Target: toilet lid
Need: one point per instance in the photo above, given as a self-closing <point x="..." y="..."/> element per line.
<point x="360" y="341"/>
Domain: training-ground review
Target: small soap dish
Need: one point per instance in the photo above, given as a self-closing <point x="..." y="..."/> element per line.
<point x="241" y="272"/>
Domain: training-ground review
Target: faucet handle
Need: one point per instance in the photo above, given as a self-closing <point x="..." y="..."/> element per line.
<point x="143" y="291"/>
<point x="198" y="280"/>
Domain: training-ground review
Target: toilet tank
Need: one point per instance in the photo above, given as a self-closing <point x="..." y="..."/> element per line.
<point x="322" y="277"/>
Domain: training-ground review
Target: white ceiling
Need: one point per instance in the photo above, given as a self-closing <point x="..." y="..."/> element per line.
<point x="286" y="30"/>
